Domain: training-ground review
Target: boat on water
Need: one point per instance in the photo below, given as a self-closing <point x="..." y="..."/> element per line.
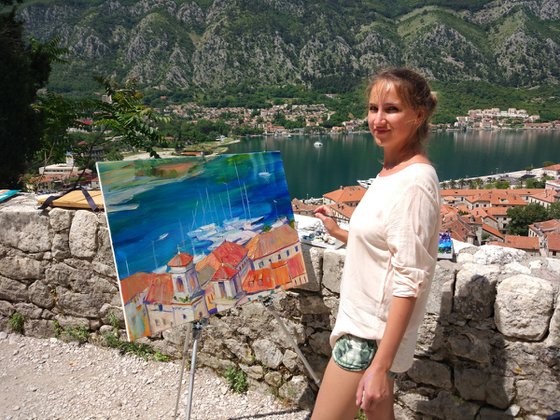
<point x="163" y="236"/>
<point x="318" y="144"/>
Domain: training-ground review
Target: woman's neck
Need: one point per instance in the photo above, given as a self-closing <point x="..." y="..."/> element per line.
<point x="394" y="162"/>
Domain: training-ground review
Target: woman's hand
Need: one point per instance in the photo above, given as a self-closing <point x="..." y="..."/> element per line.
<point x="324" y="213"/>
<point x="374" y="388"/>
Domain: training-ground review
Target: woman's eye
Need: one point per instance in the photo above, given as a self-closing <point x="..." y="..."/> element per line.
<point x="373" y="109"/>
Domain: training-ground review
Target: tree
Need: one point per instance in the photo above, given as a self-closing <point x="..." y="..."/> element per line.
<point x="24" y="68"/>
<point x="554" y="211"/>
<point x="523" y="216"/>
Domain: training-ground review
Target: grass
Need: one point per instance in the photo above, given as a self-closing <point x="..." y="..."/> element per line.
<point x="78" y="333"/>
<point x="16" y="322"/>
<point x="236" y="379"/>
<point x="141" y="350"/>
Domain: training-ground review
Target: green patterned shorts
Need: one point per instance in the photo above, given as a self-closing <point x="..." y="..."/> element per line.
<point x="354" y="353"/>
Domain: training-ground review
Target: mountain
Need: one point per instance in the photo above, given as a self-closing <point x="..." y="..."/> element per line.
<point x="325" y="44"/>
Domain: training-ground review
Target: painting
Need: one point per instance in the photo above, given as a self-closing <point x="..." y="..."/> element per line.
<point x="193" y="236"/>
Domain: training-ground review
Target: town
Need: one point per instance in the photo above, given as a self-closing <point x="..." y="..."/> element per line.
<point x="475" y="216"/>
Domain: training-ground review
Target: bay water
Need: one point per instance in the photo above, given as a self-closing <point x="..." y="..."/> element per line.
<point x="342" y="159"/>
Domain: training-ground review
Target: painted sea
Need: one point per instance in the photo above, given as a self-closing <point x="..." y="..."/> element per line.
<point x="192" y="212"/>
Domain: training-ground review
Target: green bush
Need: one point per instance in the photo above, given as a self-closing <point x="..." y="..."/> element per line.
<point x="16" y="322"/>
<point x="236" y="379"/>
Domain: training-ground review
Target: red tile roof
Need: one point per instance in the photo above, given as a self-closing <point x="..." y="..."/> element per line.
<point x="555" y="167"/>
<point x="492" y="230"/>
<point x="522" y="242"/>
<point x="352" y="194"/>
<point x="553" y="240"/>
<point x="548" y="226"/>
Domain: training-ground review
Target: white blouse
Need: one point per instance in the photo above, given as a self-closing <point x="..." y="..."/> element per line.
<point x="391" y="251"/>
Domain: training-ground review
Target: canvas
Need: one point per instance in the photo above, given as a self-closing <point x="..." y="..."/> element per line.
<point x="194" y="236"/>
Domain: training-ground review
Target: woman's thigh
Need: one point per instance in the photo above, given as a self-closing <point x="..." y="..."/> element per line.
<point x="337" y="394"/>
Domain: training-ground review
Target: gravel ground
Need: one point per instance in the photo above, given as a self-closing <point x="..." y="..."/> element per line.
<point x="52" y="379"/>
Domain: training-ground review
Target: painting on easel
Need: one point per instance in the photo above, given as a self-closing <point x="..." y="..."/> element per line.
<point x="193" y="236"/>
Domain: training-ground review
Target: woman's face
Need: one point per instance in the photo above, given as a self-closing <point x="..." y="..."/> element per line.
<point x="391" y="121"/>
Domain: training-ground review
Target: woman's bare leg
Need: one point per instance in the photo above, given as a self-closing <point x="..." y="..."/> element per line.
<point x="383" y="410"/>
<point x="337" y="395"/>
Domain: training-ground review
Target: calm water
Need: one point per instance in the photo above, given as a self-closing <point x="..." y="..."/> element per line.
<point x="343" y="159"/>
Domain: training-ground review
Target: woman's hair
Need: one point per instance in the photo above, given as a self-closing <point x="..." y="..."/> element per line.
<point x="414" y="91"/>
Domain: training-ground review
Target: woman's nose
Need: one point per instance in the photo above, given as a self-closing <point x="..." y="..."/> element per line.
<point x="379" y="117"/>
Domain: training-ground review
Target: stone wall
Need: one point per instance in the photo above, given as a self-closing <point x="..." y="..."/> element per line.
<point x="489" y="347"/>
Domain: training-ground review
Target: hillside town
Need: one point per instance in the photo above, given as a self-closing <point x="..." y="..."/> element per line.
<point x="298" y="118"/>
<point x="470" y="216"/>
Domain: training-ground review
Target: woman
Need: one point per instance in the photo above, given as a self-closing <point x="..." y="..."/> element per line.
<point x="391" y="256"/>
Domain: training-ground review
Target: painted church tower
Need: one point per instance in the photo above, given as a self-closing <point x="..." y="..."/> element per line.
<point x="184" y="277"/>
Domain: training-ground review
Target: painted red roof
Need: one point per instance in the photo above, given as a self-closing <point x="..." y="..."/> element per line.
<point x="272" y="241"/>
<point x="134" y="284"/>
<point x="224" y="273"/>
<point x="230" y="253"/>
<point x="259" y="280"/>
<point x="296" y="266"/>
<point x="161" y="290"/>
<point x="182" y="259"/>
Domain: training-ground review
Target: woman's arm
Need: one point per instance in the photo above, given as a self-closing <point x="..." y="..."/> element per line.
<point x="375" y="385"/>
<point x="324" y="213"/>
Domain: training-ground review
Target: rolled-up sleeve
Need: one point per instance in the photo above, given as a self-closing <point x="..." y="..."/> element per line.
<point x="411" y="226"/>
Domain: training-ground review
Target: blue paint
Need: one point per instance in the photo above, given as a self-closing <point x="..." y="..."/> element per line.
<point x="158" y="214"/>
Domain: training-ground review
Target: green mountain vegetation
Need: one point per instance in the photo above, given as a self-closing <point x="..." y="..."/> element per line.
<point x="248" y="52"/>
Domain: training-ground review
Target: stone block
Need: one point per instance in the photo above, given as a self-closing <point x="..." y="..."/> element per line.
<point x="60" y="219"/>
<point x="451" y="407"/>
<point x="41" y="295"/>
<point x="25" y="228"/>
<point x="553" y="339"/>
<point x="60" y="246"/>
<point x="267" y="353"/>
<point x="430" y="336"/>
<point x="488" y="413"/>
<point x="319" y="343"/>
<point x="471" y="383"/>
<point x="313" y="259"/>
<point x="273" y="379"/>
<point x="290" y="360"/>
<point x="500" y="391"/>
<point x="81" y="304"/>
<point x="6" y="308"/>
<point x="298" y="392"/>
<point x="475" y="291"/>
<point x="255" y="372"/>
<point x="23" y="269"/>
<point x="83" y="234"/>
<point x="538" y="396"/>
<point x="471" y="344"/>
<point x="13" y="290"/>
<point x="523" y="307"/>
<point x="312" y="304"/>
<point x="417" y="403"/>
<point x="104" y="250"/>
<point x="28" y="310"/>
<point x="40" y="328"/>
<point x="431" y="373"/>
<point x="333" y="265"/>
<point x="440" y="299"/>
<point x="493" y="254"/>
<point x="241" y="350"/>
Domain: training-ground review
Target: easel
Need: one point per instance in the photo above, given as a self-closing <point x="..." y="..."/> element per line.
<point x="197" y="330"/>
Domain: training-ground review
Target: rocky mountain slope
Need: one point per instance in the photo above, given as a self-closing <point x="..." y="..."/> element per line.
<point x="326" y="44"/>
